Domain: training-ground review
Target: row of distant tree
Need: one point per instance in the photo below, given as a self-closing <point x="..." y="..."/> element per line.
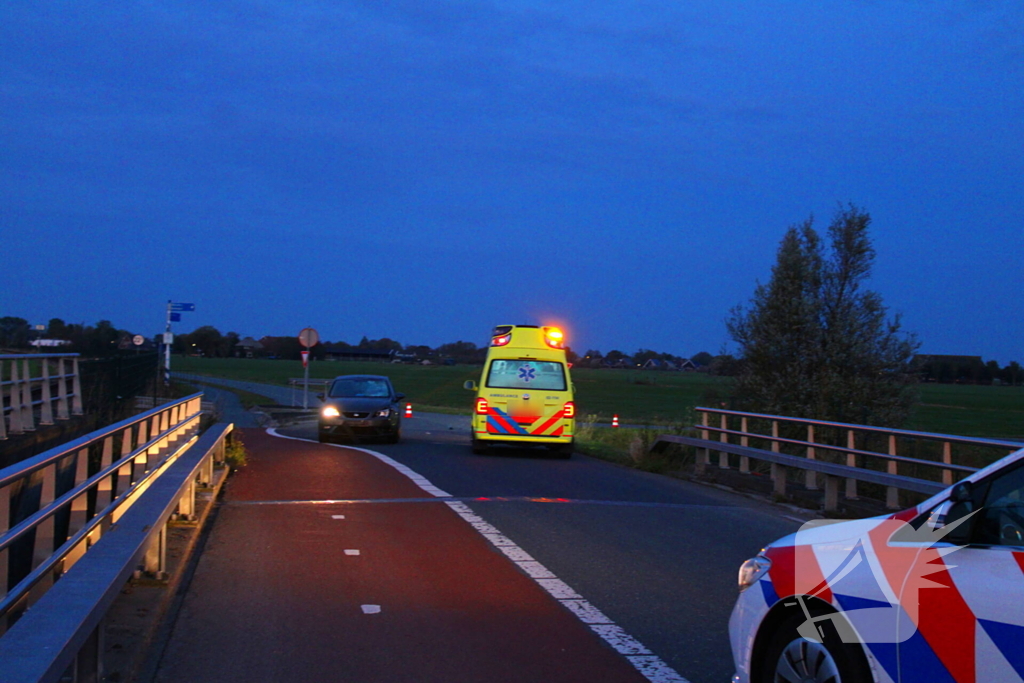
<point x="103" y="338"/>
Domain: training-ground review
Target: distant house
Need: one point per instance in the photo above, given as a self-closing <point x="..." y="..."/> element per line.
<point x="349" y="353"/>
<point x="248" y="348"/>
<point x="658" y="364"/>
<point x="688" y="365"/>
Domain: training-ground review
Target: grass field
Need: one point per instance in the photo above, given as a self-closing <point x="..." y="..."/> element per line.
<point x="639" y="397"/>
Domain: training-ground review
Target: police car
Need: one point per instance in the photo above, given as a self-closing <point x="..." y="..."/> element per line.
<point x="934" y="594"/>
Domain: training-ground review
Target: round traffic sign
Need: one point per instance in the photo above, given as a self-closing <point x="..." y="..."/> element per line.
<point x="309" y="337"/>
<point x="138" y="340"/>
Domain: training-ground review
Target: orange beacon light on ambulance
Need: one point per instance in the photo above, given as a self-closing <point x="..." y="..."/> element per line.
<point x="525" y="393"/>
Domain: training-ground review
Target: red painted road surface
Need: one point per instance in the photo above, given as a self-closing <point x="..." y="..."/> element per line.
<point x="279" y="593"/>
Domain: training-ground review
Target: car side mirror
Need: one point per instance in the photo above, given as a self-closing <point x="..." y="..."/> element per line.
<point x="399" y="397"/>
<point x="470" y="384"/>
<point x="320" y="396"/>
<point x="963" y="492"/>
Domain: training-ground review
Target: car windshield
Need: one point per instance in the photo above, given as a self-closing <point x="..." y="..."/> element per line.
<point x="360" y="388"/>
<point x="526" y="374"/>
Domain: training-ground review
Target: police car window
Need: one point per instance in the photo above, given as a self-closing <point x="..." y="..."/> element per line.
<point x="1002" y="514"/>
<point x="359" y="388"/>
<point x="526" y="374"/>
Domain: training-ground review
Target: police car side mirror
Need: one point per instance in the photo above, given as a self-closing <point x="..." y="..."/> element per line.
<point x="962" y="492"/>
<point x="470" y="384"/>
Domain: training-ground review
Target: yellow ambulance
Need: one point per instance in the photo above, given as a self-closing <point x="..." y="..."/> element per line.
<point x="525" y="395"/>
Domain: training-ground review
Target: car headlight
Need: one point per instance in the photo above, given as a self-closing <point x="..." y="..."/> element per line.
<point x="384" y="413"/>
<point x="330" y="411"/>
<point x="752" y="570"/>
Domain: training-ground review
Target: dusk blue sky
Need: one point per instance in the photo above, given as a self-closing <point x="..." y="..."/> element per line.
<point x="424" y="170"/>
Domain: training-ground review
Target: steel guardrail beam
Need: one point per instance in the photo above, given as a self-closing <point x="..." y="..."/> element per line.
<point x="45" y="642"/>
<point x="979" y="441"/>
<point x="798" y="462"/>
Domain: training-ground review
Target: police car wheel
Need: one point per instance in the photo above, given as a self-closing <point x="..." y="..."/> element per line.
<point x="791" y="658"/>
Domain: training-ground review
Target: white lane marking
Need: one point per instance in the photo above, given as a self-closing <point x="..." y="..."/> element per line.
<point x="653" y="668"/>
<point x="351" y="552"/>
<point x="416" y="478"/>
<point x="337" y="516"/>
<point x="649" y="665"/>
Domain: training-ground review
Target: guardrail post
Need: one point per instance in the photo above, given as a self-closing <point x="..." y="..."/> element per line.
<point x="62" y="391"/>
<point x="723" y="457"/>
<point x="28" y="420"/>
<point x="76" y="384"/>
<point x="947" y="457"/>
<point x="155" y="560"/>
<point x="892" y="494"/>
<point x="44" y="530"/>
<point x="3" y="417"/>
<point x="46" y="409"/>
<point x="744" y="441"/>
<point x="187" y="502"/>
<point x="15" y="400"/>
<point x="141" y="461"/>
<point x="703" y="455"/>
<point x="851" y="461"/>
<point x="780" y="480"/>
<point x="811" y="481"/>
<point x="88" y="666"/>
<point x="80" y="505"/>
<point x="103" y="489"/>
<point x="5" y="524"/>
<point x="124" y="472"/>
<point x="777" y="471"/>
<point x="831" y="493"/>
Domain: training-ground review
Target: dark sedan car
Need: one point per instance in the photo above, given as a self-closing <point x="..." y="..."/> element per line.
<point x="360" y="406"/>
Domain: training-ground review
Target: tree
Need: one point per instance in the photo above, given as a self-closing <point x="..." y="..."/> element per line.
<point x="703" y="358"/>
<point x="14" y="332"/>
<point x="815" y="343"/>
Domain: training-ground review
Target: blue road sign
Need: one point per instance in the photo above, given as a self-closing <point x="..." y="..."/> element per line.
<point x="183" y="307"/>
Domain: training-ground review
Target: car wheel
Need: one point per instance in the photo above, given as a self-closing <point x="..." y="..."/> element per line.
<point x="324" y="438"/>
<point x="479" y="447"/>
<point x="395" y="437"/>
<point x="792" y="658"/>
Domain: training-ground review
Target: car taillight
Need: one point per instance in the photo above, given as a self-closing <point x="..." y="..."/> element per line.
<point x="569" y="410"/>
<point x="502" y="340"/>
<point x="481" y="406"/>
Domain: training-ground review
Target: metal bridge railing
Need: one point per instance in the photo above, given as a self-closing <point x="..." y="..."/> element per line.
<point x="65" y="499"/>
<point x="18" y="402"/>
<point x="846" y="453"/>
<point x="60" y="638"/>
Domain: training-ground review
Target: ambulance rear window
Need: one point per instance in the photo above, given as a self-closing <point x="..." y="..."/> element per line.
<point x="526" y="374"/>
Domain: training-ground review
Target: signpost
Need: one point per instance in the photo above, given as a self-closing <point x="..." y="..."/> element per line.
<point x="309" y="338"/>
<point x="174" y="311"/>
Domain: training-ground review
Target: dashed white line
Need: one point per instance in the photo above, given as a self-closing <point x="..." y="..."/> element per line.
<point x="351" y="552"/>
<point x="652" y="667"/>
<point x="337" y="516"/>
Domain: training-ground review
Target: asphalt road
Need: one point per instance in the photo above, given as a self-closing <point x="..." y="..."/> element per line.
<point x="276" y="598"/>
